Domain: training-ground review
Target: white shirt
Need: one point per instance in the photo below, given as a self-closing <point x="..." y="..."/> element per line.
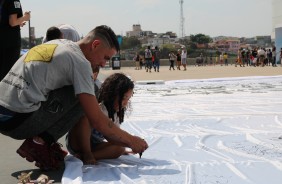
<point x="184" y="54"/>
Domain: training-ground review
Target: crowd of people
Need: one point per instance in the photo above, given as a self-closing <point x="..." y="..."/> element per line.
<point x="258" y="57"/>
<point x="245" y="57"/>
<point x="151" y="59"/>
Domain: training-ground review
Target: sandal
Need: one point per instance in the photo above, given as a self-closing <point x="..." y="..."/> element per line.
<point x="24" y="178"/>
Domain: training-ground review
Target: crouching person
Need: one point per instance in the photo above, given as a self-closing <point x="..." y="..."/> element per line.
<point x="50" y="88"/>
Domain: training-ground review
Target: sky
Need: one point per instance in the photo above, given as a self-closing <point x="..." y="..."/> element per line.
<point x="240" y="18"/>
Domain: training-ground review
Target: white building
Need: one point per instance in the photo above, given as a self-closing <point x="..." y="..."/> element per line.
<point x="136" y="31"/>
<point x="277" y="26"/>
<point x="276" y="15"/>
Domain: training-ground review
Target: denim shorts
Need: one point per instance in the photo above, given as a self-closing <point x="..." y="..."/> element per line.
<point x="51" y="121"/>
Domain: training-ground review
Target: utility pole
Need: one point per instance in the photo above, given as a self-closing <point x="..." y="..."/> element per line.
<point x="182" y="19"/>
<point x="29" y="34"/>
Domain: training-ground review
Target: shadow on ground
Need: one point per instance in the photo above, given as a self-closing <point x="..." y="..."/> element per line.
<point x="55" y="175"/>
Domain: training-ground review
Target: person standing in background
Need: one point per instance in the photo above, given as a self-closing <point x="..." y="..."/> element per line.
<point x="221" y="59"/>
<point x="172" y="57"/>
<point x="274" y="56"/>
<point x="156" y="55"/>
<point x="178" y="59"/>
<point x="269" y="57"/>
<point x="211" y="61"/>
<point x="148" y="58"/>
<point x="281" y="57"/>
<point x="137" y="61"/>
<point x="184" y="58"/>
<point x="225" y="57"/>
<point x="141" y="62"/>
<point x="255" y="55"/>
<point x="11" y="19"/>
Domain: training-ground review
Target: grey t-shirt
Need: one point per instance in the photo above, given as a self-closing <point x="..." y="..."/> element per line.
<point x="44" y="68"/>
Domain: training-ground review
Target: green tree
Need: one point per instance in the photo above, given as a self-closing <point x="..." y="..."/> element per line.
<point x="185" y="41"/>
<point x="38" y="41"/>
<point x="25" y="43"/>
<point x="193" y="45"/>
<point x="130" y="43"/>
<point x="200" y="38"/>
<point x="166" y="50"/>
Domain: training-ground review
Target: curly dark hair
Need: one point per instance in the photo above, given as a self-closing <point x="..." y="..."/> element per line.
<point x="114" y="87"/>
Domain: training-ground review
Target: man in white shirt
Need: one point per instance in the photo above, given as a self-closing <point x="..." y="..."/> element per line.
<point x="184" y="58"/>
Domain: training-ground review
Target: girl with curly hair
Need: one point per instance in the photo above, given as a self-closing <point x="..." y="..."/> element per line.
<point x="89" y="144"/>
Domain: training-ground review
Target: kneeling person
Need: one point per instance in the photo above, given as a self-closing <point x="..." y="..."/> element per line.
<point x="89" y="144"/>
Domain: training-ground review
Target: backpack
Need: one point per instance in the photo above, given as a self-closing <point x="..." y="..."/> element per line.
<point x="148" y="53"/>
<point x="157" y="54"/>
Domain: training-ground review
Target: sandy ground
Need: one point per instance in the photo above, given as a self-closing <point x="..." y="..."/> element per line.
<point x="12" y="164"/>
<point x="193" y="72"/>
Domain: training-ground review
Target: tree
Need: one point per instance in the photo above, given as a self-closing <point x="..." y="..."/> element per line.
<point x="25" y="43"/>
<point x="166" y="49"/>
<point x="184" y="41"/>
<point x="130" y="43"/>
<point x="200" y="39"/>
<point x="38" y="41"/>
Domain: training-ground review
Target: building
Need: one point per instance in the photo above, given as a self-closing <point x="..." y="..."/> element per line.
<point x="231" y="46"/>
<point x="148" y="38"/>
<point x="136" y="31"/>
<point x="276" y="15"/>
<point x="277" y="25"/>
<point x="219" y="38"/>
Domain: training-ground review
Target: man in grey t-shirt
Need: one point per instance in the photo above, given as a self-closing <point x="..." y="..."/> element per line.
<point x="48" y="90"/>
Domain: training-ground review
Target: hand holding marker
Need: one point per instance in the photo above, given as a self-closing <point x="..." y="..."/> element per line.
<point x="140" y="154"/>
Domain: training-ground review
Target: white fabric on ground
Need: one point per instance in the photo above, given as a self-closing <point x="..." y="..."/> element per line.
<point x="199" y="131"/>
